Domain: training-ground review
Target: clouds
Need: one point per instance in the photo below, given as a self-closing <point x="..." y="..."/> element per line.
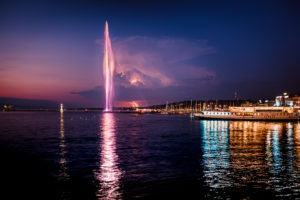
<point x="158" y="62"/>
<point x="46" y="50"/>
<point x="149" y="68"/>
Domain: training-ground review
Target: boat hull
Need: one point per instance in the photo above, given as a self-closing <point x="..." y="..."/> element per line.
<point x="247" y="118"/>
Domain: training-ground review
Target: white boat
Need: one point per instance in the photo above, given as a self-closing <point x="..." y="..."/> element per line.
<point x="265" y="113"/>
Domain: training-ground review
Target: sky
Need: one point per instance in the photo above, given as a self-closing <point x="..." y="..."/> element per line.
<point x="164" y="50"/>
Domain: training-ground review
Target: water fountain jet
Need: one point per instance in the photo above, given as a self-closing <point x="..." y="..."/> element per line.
<point x="108" y="71"/>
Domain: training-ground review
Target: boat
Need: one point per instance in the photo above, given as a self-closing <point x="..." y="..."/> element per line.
<point x="260" y="113"/>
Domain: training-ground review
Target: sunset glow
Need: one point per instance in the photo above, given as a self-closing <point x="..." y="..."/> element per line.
<point x="202" y="57"/>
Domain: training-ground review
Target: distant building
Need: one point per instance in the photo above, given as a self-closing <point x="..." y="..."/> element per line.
<point x="292" y="100"/>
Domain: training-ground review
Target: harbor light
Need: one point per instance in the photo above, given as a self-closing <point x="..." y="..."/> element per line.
<point x="61" y="108"/>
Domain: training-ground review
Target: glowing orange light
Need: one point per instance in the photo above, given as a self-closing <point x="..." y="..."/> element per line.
<point x="134" y="104"/>
<point x="133" y="81"/>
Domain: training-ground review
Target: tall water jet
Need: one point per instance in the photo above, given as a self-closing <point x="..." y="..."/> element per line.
<point x="108" y="71"/>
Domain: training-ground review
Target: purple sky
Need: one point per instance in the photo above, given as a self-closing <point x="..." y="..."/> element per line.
<point x="163" y="51"/>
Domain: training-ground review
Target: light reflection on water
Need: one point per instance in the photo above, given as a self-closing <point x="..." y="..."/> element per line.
<point x="297" y="144"/>
<point x="216" y="156"/>
<point x="63" y="175"/>
<point x="243" y="153"/>
<point x="157" y="154"/>
<point x="109" y="173"/>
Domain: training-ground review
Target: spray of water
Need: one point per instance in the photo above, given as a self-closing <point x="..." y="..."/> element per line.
<point x="108" y="71"/>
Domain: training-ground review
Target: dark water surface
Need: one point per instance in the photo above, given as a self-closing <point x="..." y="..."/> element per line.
<point x="95" y="155"/>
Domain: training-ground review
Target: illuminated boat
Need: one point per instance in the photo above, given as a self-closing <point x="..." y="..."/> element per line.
<point x="264" y="113"/>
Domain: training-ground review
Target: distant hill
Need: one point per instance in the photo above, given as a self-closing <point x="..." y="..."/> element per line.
<point x="19" y="103"/>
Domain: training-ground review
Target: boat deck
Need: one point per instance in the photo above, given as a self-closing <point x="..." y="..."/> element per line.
<point x="249" y="118"/>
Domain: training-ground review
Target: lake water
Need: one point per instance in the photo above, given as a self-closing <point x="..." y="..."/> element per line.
<point x="94" y="155"/>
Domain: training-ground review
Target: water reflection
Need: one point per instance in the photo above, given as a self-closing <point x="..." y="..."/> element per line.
<point x="276" y="152"/>
<point x="63" y="175"/>
<point x="109" y="174"/>
<point x="247" y="154"/>
<point x="291" y="141"/>
<point x="297" y="144"/>
<point x="216" y="156"/>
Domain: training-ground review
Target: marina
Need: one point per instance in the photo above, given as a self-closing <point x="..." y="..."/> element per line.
<point x="283" y="108"/>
